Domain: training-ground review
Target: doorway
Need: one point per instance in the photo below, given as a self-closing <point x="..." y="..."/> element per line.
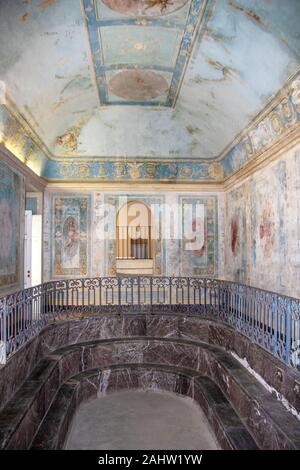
<point x="32" y="250"/>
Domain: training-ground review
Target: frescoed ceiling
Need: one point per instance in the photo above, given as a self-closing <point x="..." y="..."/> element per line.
<point x="112" y="80"/>
<point x="141" y="48"/>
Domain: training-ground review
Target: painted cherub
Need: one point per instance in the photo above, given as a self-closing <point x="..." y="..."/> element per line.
<point x="160" y="3"/>
<point x="71" y="236"/>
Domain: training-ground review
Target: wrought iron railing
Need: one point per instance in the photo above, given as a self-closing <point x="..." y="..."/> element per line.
<point x="268" y="319"/>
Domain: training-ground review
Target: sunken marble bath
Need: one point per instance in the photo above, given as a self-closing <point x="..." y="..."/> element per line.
<point x="251" y="399"/>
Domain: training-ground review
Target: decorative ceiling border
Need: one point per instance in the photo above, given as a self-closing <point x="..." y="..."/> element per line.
<point x="157" y="171"/>
<point x="23" y="145"/>
<point x="20" y="120"/>
<point x="270" y="125"/>
<point x="267" y="107"/>
<point x="195" y="19"/>
<point x="277" y="150"/>
<point x="32" y="180"/>
<point x="131" y="170"/>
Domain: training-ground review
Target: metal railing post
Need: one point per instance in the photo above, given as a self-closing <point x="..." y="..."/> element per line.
<point x="119" y="291"/>
<point x="4" y="348"/>
<point x="275" y="326"/>
<point x="54" y="299"/>
<point x="288" y="334"/>
<point x="139" y="290"/>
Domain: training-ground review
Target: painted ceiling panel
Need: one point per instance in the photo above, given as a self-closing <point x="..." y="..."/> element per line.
<point x="153" y="47"/>
<point x="157" y="40"/>
<point x="243" y="53"/>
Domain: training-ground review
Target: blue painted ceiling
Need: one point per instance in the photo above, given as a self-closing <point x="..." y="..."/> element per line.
<point x="211" y="66"/>
<point x="128" y="41"/>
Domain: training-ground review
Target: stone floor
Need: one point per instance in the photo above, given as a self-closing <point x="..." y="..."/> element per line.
<point x="141" y="420"/>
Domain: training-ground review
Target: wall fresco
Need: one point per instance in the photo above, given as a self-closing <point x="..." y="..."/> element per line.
<point x="266" y="210"/>
<point x="236" y="235"/>
<point x="70" y="235"/>
<point x="269" y="227"/>
<point x="199" y="242"/>
<point x="172" y="256"/>
<point x="11" y="217"/>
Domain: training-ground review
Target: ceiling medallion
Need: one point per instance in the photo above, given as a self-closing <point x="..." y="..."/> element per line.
<point x="144" y="7"/>
<point x="138" y="85"/>
<point x="162" y="4"/>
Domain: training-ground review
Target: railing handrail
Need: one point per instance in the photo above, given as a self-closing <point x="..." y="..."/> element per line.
<point x="268" y="318"/>
<point x="223" y="281"/>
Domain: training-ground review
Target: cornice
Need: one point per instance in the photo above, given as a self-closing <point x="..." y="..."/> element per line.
<point x="122" y="186"/>
<point x="269" y="105"/>
<point x="276" y="150"/>
<point x="264" y="158"/>
<point x="33" y="181"/>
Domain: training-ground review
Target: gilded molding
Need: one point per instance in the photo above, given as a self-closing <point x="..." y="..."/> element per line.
<point x="264" y="158"/>
<point x="137" y="187"/>
<point x="269" y="105"/>
<point x="33" y="181"/>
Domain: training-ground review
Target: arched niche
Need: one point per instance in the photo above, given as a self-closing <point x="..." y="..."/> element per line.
<point x="134" y="239"/>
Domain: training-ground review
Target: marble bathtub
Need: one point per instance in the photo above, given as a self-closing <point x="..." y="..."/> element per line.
<point x="75" y="359"/>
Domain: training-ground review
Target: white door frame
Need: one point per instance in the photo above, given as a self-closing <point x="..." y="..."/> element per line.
<point x="36" y="250"/>
<point x="28" y="249"/>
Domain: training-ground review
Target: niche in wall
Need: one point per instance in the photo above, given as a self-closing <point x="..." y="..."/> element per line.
<point x="155" y="203"/>
<point x="134" y="246"/>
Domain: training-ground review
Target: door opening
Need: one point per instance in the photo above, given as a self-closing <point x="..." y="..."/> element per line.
<point x="32" y="250"/>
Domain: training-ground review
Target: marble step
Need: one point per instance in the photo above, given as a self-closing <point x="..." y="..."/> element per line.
<point x="217" y="408"/>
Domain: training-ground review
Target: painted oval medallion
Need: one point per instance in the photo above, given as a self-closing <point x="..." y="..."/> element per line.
<point x="138" y="85"/>
<point x="144" y="7"/>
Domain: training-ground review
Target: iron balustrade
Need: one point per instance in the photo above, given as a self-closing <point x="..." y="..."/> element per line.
<point x="268" y="319"/>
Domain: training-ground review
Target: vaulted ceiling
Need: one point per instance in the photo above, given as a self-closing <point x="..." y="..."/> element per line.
<point x="144" y="78"/>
